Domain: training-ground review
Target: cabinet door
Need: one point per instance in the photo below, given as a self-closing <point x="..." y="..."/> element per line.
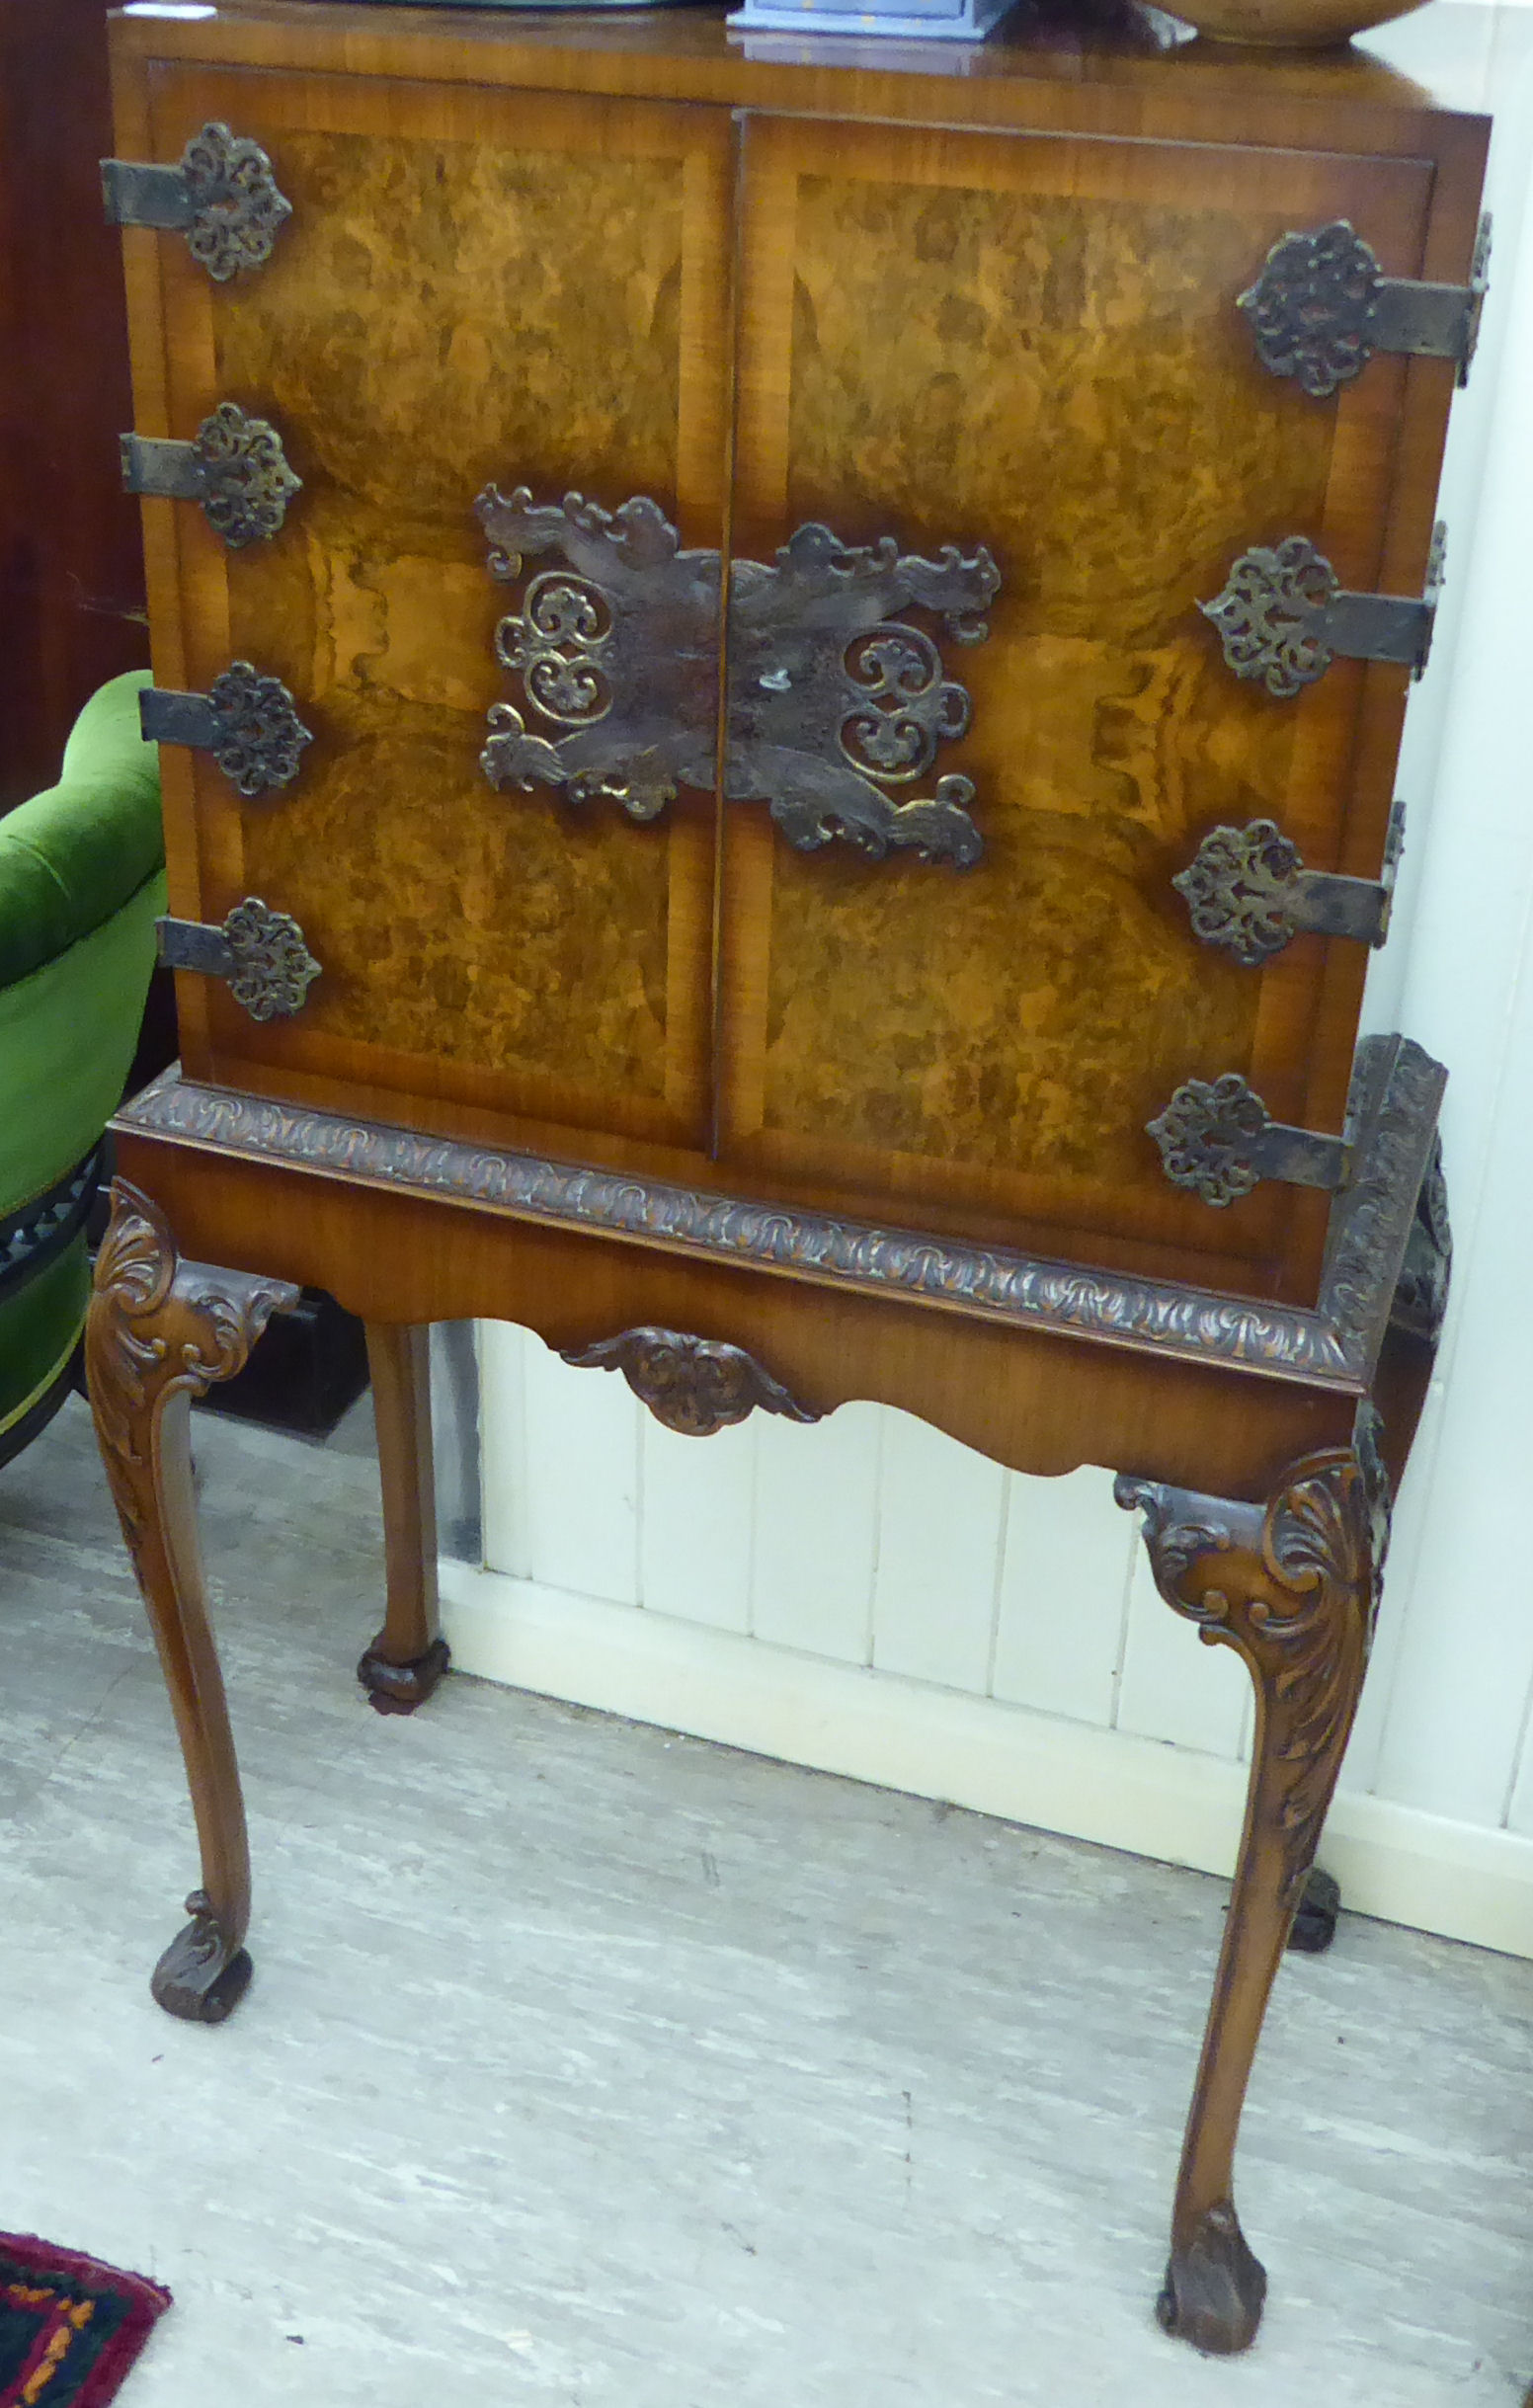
<point x="1031" y="344"/>
<point x="474" y="286"/>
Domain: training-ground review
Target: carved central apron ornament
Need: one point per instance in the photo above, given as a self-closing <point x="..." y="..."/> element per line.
<point x="831" y="699"/>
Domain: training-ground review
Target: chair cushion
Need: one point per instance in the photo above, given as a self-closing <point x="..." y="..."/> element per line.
<point x="70" y="857"/>
<point x="67" y="1037"/>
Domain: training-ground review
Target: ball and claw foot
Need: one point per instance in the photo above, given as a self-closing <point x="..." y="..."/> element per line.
<point x="1214" y="2287"/>
<point x="201" y="1978"/>
<point x="1315" y="1924"/>
<point x="400" y="1688"/>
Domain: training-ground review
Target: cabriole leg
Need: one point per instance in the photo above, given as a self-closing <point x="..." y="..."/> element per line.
<point x="408" y="1657"/>
<point x="1294" y="1589"/>
<point x="160" y="1332"/>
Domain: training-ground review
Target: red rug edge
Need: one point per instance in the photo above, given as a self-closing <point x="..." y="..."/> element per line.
<point x="146" y="2300"/>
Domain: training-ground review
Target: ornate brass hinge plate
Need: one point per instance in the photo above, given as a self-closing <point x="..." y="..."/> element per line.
<point x="1283" y="617"/>
<point x="1321" y="308"/>
<point x="223" y="196"/>
<point x="1217" y="1138"/>
<point x="236" y="468"/>
<point x="248" y="723"/>
<point x="261" y="952"/>
<point x="832" y="700"/>
<point x="1246" y="890"/>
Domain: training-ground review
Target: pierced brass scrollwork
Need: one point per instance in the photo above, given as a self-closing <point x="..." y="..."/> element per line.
<point x="832" y="699"/>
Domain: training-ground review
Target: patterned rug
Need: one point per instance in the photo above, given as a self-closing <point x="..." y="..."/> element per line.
<point x="71" y="2328"/>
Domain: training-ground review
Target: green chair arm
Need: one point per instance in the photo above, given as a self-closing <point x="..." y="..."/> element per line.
<point x="73" y="856"/>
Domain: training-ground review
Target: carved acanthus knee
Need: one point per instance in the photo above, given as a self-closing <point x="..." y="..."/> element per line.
<point x="1292" y="1587"/>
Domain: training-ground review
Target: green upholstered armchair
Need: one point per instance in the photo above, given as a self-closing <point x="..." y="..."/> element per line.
<point x="82" y="880"/>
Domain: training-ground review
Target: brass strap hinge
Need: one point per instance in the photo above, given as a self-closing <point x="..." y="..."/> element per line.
<point x="1284" y="616"/>
<point x="247" y="721"/>
<point x="1321" y="308"/>
<point x="1217" y="1138"/>
<point x="235" y="468"/>
<point x="223" y="196"/>
<point x="1247" y="889"/>
<point x="262" y="954"/>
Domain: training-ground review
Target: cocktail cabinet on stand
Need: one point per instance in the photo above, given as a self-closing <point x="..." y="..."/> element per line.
<point x="781" y="668"/>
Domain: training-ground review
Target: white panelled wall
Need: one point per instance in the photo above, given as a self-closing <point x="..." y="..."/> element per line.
<point x="868" y="1597"/>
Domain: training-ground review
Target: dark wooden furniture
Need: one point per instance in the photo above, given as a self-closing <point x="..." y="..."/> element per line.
<point x="712" y="822"/>
<point x="72" y="572"/>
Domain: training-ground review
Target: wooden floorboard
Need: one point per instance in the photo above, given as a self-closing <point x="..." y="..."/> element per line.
<point x="589" y="2066"/>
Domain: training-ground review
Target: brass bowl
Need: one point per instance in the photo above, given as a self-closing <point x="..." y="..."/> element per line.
<point x="1289" y="25"/>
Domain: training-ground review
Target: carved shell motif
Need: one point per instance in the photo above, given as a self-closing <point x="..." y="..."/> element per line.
<point x="693" y="1385"/>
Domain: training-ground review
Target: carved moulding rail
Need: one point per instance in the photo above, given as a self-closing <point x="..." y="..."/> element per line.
<point x="1392" y="1120"/>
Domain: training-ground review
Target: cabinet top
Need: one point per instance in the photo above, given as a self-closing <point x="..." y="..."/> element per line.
<point x="1109" y="68"/>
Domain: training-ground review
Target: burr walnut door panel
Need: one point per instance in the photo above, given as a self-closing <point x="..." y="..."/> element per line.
<point x="474" y="286"/>
<point x="1032" y="345"/>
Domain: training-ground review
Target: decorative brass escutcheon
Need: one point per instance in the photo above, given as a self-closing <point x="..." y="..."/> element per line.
<point x="1321" y="306"/>
<point x="221" y="194"/>
<point x="262" y="954"/>
<point x="831" y="699"/>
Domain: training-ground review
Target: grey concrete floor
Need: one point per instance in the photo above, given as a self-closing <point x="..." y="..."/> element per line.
<point x="587" y="2064"/>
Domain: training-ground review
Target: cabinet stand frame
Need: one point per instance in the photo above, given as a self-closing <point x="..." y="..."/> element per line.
<point x="1300" y="1418"/>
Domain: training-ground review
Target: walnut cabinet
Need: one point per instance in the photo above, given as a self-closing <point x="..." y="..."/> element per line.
<point x="781" y="672"/>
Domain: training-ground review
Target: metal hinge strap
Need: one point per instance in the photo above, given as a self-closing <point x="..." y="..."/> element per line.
<point x="221" y="194"/>
<point x="1283" y="617"/>
<point x="1428" y="321"/>
<point x="1321" y="308"/>
<point x="235" y="468"/>
<point x="1246" y="890"/>
<point x="135" y="193"/>
<point x="247" y="721"/>
<point x="170" y="470"/>
<point x="1218" y="1139"/>
<point x="261" y="953"/>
